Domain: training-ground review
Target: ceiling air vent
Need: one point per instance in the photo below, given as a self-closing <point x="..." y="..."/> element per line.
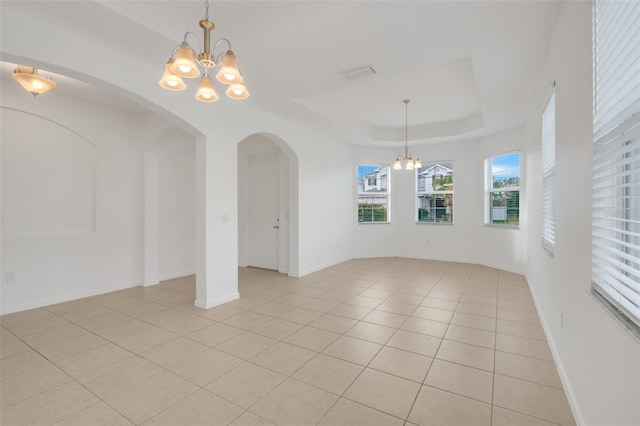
<point x="359" y="72"/>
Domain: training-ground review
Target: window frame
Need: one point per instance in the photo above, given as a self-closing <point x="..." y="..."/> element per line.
<point x="548" y="166"/>
<point x="364" y="194"/>
<point x="489" y="190"/>
<point x="449" y="210"/>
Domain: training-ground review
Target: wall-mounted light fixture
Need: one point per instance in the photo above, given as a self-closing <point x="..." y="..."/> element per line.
<point x="33" y="82"/>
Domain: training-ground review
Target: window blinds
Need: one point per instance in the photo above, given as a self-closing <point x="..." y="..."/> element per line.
<point x="548" y="154"/>
<point x="616" y="155"/>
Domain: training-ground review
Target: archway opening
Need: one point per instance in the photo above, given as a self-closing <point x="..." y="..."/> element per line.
<point x="267" y="204"/>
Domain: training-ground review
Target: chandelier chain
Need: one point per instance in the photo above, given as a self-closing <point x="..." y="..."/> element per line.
<point x="206" y="10"/>
<point x="406" y="123"/>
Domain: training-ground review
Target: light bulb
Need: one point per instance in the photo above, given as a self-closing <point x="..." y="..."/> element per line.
<point x="185" y="68"/>
<point x="230" y="77"/>
<point x="409" y="165"/>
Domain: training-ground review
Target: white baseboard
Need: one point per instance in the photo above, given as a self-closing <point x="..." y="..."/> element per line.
<point x="320" y="267"/>
<point x="39" y="303"/>
<point x="566" y="384"/>
<point x="173" y="275"/>
<point x="207" y="304"/>
<point x="446" y="259"/>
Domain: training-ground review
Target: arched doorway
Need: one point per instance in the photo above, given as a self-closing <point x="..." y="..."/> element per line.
<point x="267" y="204"/>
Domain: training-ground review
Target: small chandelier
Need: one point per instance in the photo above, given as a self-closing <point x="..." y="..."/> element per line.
<point x="33" y="82"/>
<point x="185" y="63"/>
<point x="410" y="163"/>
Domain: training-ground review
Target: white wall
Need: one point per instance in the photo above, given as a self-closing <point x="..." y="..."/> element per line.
<point x="598" y="360"/>
<point x="71" y="211"/>
<point x="468" y="239"/>
<point x="176" y="205"/>
<point x="323" y="234"/>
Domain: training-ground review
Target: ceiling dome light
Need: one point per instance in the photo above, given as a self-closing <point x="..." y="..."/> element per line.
<point x="169" y="80"/>
<point x="32" y="81"/>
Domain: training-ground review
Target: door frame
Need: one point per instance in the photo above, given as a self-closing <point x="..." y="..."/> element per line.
<point x="288" y="259"/>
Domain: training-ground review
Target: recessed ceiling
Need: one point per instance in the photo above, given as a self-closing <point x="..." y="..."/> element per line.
<point x="447" y="94"/>
<point x="470" y="68"/>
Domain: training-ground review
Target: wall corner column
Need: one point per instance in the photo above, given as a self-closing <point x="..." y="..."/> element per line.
<point x="216" y="223"/>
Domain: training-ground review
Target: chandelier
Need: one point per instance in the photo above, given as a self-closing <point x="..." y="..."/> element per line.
<point x="186" y="63"/>
<point x="410" y="163"/>
<point x="33" y="82"/>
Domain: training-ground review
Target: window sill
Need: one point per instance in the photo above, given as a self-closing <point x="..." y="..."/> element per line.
<point x="435" y="223"/>
<point x="374" y="223"/>
<point x="629" y="326"/>
<point x="491" y="225"/>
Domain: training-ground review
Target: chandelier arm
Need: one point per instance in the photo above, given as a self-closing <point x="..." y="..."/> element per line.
<point x="194" y="37"/>
<point x="218" y="43"/>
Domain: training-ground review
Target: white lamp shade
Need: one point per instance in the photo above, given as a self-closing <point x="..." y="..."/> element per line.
<point x="397" y="165"/>
<point x="417" y="164"/>
<point x="185" y="65"/>
<point x="206" y="92"/>
<point x="229" y="73"/>
<point x="32" y="82"/>
<point x="237" y="91"/>
<point x="409" y="165"/>
<point x="169" y="80"/>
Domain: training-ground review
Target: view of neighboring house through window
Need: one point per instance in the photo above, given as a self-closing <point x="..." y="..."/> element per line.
<point x="373" y="193"/>
<point x="435" y="193"/>
<point x="502" y="189"/>
<point x="548" y="154"/>
<point x="615" y="268"/>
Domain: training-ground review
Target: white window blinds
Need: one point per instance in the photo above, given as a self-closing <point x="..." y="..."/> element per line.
<point x="616" y="155"/>
<point x="548" y="154"/>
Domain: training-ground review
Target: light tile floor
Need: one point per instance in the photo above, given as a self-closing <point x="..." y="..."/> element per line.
<point x="385" y="341"/>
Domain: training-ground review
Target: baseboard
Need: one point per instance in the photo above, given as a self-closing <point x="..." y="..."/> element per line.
<point x="566" y="384"/>
<point x="176" y="275"/>
<point x="446" y="259"/>
<point x="64" y="298"/>
<point x="320" y="267"/>
<point x="207" y="304"/>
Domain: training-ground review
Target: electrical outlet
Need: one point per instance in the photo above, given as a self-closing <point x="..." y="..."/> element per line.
<point x="10" y="277"/>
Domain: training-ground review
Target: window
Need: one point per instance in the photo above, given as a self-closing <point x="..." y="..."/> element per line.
<point x="373" y="194"/>
<point x="435" y="193"/>
<point x="502" y="189"/>
<point x="548" y="154"/>
<point x="615" y="268"/>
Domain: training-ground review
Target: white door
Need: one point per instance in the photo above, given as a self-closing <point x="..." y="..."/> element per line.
<point x="263" y="210"/>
